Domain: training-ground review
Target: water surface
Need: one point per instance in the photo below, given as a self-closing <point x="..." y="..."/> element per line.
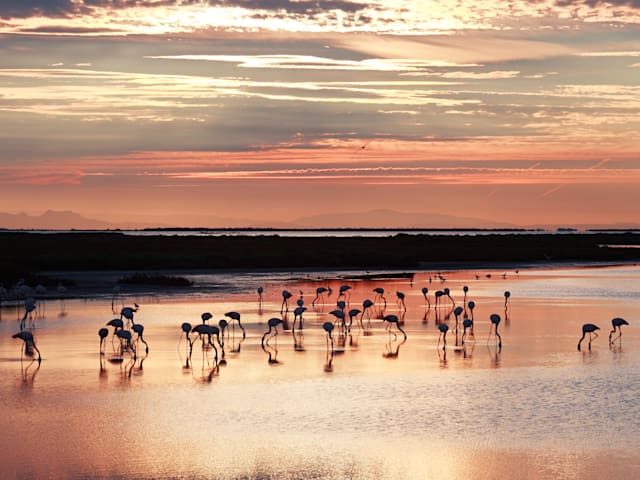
<point x="381" y="408"/>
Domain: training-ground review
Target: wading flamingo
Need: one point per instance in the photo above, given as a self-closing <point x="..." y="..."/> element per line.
<point x="29" y="343"/>
<point x="273" y="330"/>
<point x="236" y="316"/>
<point x="444" y="328"/>
<point x="617" y="323"/>
<point x="319" y="294"/>
<point x="391" y="319"/>
<point x="495" y="321"/>
<point x="589" y="328"/>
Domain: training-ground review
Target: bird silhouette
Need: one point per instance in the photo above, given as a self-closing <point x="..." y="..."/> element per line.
<point x="393" y="319"/>
<point x="127" y="312"/>
<point x="29" y="343"/>
<point x="367" y="306"/>
<point x="425" y="294"/>
<point x="273" y="330"/>
<point x="207" y="332"/>
<point x="297" y="314"/>
<point x="138" y="330"/>
<point x="401" y="304"/>
<point x="29" y="307"/>
<point x="319" y="294"/>
<point x="617" y="323"/>
<point x="339" y="314"/>
<point x="235" y="316"/>
<point x="354" y="312"/>
<point x="260" y="292"/>
<point x="467" y="323"/>
<point x="495" y="321"/>
<point x="342" y="291"/>
<point x="444" y="328"/>
<point x="125" y="342"/>
<point x="589" y="328"/>
<point x="103" y="333"/>
<point x="328" y="327"/>
<point x="379" y="291"/>
<point x="286" y="295"/>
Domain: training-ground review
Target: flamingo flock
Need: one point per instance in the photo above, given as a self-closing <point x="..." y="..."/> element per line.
<point x="123" y="336"/>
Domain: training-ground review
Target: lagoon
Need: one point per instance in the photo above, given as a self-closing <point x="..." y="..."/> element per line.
<point x="536" y="408"/>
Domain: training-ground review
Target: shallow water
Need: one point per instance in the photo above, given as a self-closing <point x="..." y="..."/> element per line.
<point x="536" y="408"/>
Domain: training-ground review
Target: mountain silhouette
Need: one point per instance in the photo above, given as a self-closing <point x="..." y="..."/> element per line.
<point x="52" y="220"/>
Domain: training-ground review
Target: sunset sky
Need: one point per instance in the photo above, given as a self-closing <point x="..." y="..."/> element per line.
<point x="213" y="113"/>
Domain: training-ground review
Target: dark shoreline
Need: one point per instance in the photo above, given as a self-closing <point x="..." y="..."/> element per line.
<point x="25" y="254"/>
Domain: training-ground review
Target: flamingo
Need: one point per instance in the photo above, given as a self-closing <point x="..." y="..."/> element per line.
<point x="343" y="291"/>
<point x="286" y="295"/>
<point x="260" y="291"/>
<point x="465" y="289"/>
<point x="186" y="328"/>
<point x="495" y="321"/>
<point x="457" y="312"/>
<point x="117" y="325"/>
<point x="125" y="341"/>
<point x="339" y="314"/>
<point x="507" y="296"/>
<point x="617" y="323"/>
<point x="236" y="316"/>
<point x="444" y="328"/>
<point x="328" y="327"/>
<point x="466" y="323"/>
<point x="401" y="303"/>
<point x="319" y="293"/>
<point x="29" y="343"/>
<point x="394" y="319"/>
<point x="366" y="307"/>
<point x="206" y="316"/>
<point x="273" y="329"/>
<point x="425" y="294"/>
<point x="297" y="312"/>
<point x="209" y="331"/>
<point x="102" y="333"/>
<point x="138" y="328"/>
<point x="127" y="312"/>
<point x="30" y="306"/>
<point x="447" y="292"/>
<point x="354" y="312"/>
<point x="589" y="328"/>
<point x="437" y="295"/>
<point x="471" y="306"/>
<point x="380" y="294"/>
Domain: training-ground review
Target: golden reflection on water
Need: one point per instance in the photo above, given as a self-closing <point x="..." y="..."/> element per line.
<point x="376" y="406"/>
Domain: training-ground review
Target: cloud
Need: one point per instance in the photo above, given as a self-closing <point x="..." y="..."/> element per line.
<point x="45" y="8"/>
<point x="308" y="62"/>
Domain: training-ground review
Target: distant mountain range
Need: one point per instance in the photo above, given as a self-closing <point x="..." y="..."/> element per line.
<point x="51" y="220"/>
<point x="390" y="219"/>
